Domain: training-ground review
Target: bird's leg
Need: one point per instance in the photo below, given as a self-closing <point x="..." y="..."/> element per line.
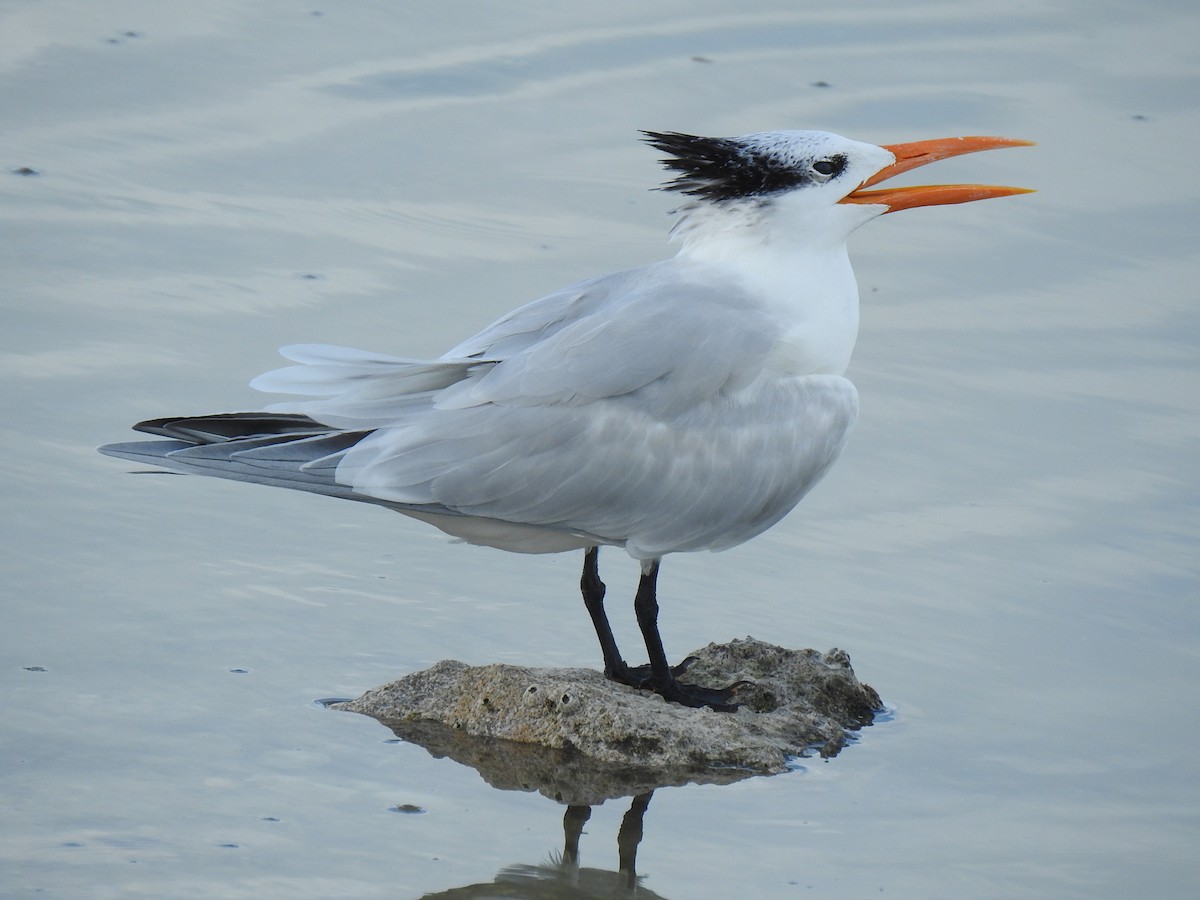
<point x="573" y="821"/>
<point x="592" y="589"/>
<point x="662" y="676"/>
<point x="645" y="606"/>
<point x="658" y="676"/>
<point x="630" y="836"/>
<point x="615" y="667"/>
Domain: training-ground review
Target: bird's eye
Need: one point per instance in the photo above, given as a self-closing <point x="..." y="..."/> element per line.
<point x="831" y="167"/>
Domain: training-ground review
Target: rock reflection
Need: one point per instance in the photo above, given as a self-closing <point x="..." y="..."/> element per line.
<point x="561" y="775"/>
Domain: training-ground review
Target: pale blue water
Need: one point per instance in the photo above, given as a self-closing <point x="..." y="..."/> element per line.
<point x="1008" y="548"/>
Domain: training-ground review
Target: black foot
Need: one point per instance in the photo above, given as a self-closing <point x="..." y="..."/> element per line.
<point x="693" y="695"/>
<point x="641" y="676"/>
<point x="719" y="699"/>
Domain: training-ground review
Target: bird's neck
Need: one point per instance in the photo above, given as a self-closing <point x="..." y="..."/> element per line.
<point x="803" y="282"/>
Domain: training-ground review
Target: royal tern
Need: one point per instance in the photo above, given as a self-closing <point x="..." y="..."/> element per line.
<point x="685" y="405"/>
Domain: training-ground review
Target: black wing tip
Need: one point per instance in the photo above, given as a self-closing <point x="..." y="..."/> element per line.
<point x="158" y="427"/>
<point x="220" y="427"/>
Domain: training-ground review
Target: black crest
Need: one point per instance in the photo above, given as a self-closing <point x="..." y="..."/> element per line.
<point x="723" y="168"/>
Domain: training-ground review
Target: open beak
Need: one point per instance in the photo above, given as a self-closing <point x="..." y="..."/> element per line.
<point x="920" y="153"/>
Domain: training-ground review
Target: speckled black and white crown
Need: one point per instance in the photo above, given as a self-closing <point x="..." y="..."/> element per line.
<point x="755" y="165"/>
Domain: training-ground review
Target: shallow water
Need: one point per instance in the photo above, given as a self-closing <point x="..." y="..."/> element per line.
<point x="1008" y="548"/>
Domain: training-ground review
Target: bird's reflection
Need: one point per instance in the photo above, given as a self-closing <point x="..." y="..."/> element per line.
<point x="563" y="878"/>
<point x="567" y="778"/>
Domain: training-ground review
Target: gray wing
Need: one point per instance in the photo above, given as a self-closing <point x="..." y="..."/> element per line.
<point x="709" y="479"/>
<point x="670" y="341"/>
<point x="636" y="408"/>
<point x="639" y="331"/>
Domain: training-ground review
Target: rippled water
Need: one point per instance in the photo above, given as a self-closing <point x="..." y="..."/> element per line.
<point x="1008" y="548"/>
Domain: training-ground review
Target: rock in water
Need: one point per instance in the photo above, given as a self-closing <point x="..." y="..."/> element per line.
<point x="797" y="701"/>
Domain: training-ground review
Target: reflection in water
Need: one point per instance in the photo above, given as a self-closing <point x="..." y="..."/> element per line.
<point x="580" y="778"/>
<point x="563" y="776"/>
<point x="567" y="778"/>
<point x="563" y="877"/>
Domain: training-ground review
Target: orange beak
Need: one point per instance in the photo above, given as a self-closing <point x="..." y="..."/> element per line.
<point x="920" y="153"/>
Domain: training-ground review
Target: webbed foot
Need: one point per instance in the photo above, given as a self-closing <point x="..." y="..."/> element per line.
<point x="693" y="695"/>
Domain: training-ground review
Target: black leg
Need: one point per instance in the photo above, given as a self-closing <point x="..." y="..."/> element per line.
<point x="662" y="676"/>
<point x="592" y="589"/>
<point x="645" y="606"/>
<point x="658" y="676"/>
<point x="615" y="667"/>
<point x="573" y="821"/>
<point x="630" y="836"/>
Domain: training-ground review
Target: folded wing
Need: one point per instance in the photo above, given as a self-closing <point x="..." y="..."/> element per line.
<point x="636" y="409"/>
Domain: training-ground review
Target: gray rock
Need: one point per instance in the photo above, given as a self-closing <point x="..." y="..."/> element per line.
<point x="577" y="737"/>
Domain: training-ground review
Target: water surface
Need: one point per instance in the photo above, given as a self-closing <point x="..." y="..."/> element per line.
<point x="1007" y="550"/>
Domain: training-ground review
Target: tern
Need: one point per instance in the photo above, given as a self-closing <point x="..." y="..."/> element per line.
<point x="685" y="405"/>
